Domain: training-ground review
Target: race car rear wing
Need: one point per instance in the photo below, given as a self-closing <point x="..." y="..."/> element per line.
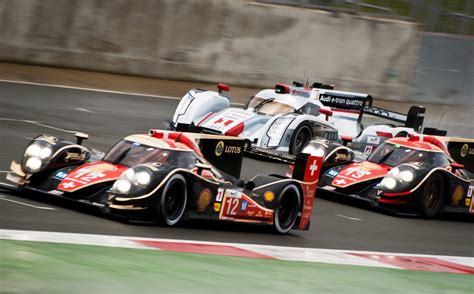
<point x="224" y="152"/>
<point x="461" y="150"/>
<point x="362" y="103"/>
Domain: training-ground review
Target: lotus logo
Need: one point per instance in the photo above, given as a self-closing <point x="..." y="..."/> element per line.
<point x="464" y="150"/>
<point x="219" y="148"/>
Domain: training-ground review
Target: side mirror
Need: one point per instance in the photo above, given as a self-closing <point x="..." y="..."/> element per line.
<point x="81" y="137"/>
<point x="346" y="140"/>
<point x="202" y="166"/>
<point x="455" y="166"/>
<point x="223" y="88"/>
<point x="326" y="112"/>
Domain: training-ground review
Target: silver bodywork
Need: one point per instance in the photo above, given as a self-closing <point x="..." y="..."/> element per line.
<point x="272" y="117"/>
<point x="212" y="112"/>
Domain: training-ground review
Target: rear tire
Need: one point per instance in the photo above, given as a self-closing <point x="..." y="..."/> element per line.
<point x="172" y="203"/>
<point x="430" y="198"/>
<point x="301" y="137"/>
<point x="286" y="211"/>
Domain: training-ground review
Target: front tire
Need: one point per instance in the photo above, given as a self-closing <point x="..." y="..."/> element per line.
<point x="301" y="137"/>
<point x="286" y="211"/>
<point x="431" y="197"/>
<point x="172" y="203"/>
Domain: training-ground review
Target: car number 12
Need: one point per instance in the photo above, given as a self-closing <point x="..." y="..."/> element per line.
<point x="232" y="204"/>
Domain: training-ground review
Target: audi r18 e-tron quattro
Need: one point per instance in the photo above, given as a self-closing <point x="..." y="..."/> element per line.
<point x="284" y="119"/>
<point x="166" y="177"/>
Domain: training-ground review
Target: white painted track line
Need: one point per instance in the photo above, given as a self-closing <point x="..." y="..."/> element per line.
<point x="4" y="198"/>
<point x="101" y="90"/>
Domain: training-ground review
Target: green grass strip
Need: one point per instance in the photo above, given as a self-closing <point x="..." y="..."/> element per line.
<point x="35" y="267"/>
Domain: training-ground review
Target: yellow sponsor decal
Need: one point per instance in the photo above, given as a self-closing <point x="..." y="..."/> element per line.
<point x="204" y="200"/>
<point x="217" y="206"/>
<point x="268" y="196"/>
<point x="219" y="148"/>
<point x="464" y="150"/>
<point x="467" y="201"/>
<point x="457" y="195"/>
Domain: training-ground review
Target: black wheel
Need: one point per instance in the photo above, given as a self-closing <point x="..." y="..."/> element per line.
<point x="300" y="138"/>
<point x="172" y="203"/>
<point x="431" y="196"/>
<point x="286" y="211"/>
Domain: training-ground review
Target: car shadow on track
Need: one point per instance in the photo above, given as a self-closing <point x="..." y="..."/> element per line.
<point x="186" y="224"/>
<point x="457" y="217"/>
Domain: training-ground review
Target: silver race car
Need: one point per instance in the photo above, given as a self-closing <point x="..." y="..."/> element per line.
<point x="284" y="119"/>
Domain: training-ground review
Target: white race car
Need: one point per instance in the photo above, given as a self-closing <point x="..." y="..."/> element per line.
<point x="284" y="119"/>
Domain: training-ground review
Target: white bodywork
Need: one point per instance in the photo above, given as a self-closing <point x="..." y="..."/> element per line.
<point x="271" y="124"/>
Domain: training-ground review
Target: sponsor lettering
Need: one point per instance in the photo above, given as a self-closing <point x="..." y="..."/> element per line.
<point x="373" y="140"/>
<point x="232" y="149"/>
<point x="74" y="156"/>
<point x="243" y="206"/>
<point x="352" y="103"/>
<point x="220" y="193"/>
<point x="368" y="150"/>
<point x="60" y="175"/>
<point x="342" y="157"/>
<point x="332" y="173"/>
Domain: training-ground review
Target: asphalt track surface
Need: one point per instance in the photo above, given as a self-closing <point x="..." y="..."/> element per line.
<point x="26" y="110"/>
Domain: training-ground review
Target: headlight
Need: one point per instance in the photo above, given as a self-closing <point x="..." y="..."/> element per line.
<point x="46" y="152"/>
<point x="184" y="104"/>
<point x="398" y="178"/>
<point x="33" y="164"/>
<point x="276" y="130"/>
<point x="407" y="176"/>
<point x="33" y="150"/>
<point x="143" y="178"/>
<point x="37" y="155"/>
<point x="133" y="180"/>
<point x="122" y="186"/>
<point x="389" y="183"/>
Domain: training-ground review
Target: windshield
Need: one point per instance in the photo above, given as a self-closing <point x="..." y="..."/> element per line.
<point x="269" y="106"/>
<point x="130" y="153"/>
<point x="393" y="155"/>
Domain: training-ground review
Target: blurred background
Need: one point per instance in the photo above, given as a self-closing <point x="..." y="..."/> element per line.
<point x="399" y="50"/>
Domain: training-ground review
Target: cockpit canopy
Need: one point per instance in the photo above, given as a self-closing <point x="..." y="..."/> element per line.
<point x="130" y="153"/>
<point x="393" y="154"/>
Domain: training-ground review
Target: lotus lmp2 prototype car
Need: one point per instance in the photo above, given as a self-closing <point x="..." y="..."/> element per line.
<point x="166" y="177"/>
<point x="283" y="120"/>
<point x="416" y="174"/>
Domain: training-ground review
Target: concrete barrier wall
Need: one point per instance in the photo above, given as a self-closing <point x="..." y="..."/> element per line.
<point x="232" y="41"/>
<point x="445" y="70"/>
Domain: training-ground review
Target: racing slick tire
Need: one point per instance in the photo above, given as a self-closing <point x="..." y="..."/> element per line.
<point x="301" y="137"/>
<point x="286" y="211"/>
<point x="430" y="198"/>
<point x="172" y="203"/>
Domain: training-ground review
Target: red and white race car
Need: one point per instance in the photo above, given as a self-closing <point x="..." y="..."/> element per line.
<point x="284" y="119"/>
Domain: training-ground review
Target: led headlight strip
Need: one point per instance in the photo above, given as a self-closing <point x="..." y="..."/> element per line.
<point x="277" y="129"/>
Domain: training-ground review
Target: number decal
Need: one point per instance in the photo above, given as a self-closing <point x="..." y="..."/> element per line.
<point x="88" y="176"/>
<point x="232" y="204"/>
<point x="357" y="173"/>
